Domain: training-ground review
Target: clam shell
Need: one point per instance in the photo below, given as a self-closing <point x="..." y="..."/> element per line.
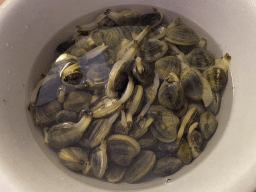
<point x="66" y="116"/>
<point x="167" y="166"/>
<point x="184" y="153"/>
<point x="147" y="141"/>
<point x="97" y="75"/>
<point x="215" y="104"/>
<point x="141" y="166"/>
<point x="208" y="124"/>
<point x="122" y="149"/>
<point x="114" y="172"/>
<point x="166" y="65"/>
<point x="165" y="123"/>
<point x="182" y="35"/>
<point x="216" y="76"/>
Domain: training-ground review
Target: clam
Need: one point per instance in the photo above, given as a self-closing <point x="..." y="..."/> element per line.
<point x="46" y="114"/>
<point x="141" y="166"/>
<point x="181" y="35"/>
<point x="102" y="110"/>
<point x="170" y="148"/>
<point x="190" y="117"/>
<point x="167" y="166"/>
<point x="167" y="65"/>
<point x="184" y="152"/>
<point x="195" y="140"/>
<point x="71" y="74"/>
<point x="171" y="94"/>
<point x="122" y="149"/>
<point x="208" y="124"/>
<point x="99" y="160"/>
<point x="217" y="75"/>
<point x="74" y="158"/>
<point x="143" y="71"/>
<point x="152" y="19"/>
<point x="66" y="116"/>
<point x="165" y="123"/>
<point x="199" y="57"/>
<point x="114" y="173"/>
<point x="150" y="95"/>
<point x="121" y="126"/>
<point x="141" y="127"/>
<point x="153" y="49"/>
<point x="199" y="105"/>
<point x="100" y="129"/>
<point x="97" y="75"/>
<point x="125" y="17"/>
<point x="138" y="93"/>
<point x="215" y="104"/>
<point x="77" y="101"/>
<point x="67" y="134"/>
<point x="147" y="141"/>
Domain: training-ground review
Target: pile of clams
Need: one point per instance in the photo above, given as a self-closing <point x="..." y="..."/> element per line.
<point x="123" y="101"/>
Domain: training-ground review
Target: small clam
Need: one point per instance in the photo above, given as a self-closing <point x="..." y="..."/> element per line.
<point x="122" y="149"/>
<point x="125" y="17"/>
<point x="217" y="75"/>
<point x="171" y="94"/>
<point x="74" y="158"/>
<point x="167" y="166"/>
<point x="141" y="127"/>
<point x="184" y="152"/>
<point x="114" y="173"/>
<point x="66" y="116"/>
<point x="165" y="123"/>
<point x="99" y="160"/>
<point x="141" y="166"/>
<point x="103" y="110"/>
<point x="97" y="75"/>
<point x="100" y="129"/>
<point x="181" y="35"/>
<point x="147" y="141"/>
<point x="215" y="104"/>
<point x="195" y="140"/>
<point x="71" y="74"/>
<point x="67" y="134"/>
<point x="46" y="114"/>
<point x="168" y="148"/>
<point x="152" y="19"/>
<point x="153" y="49"/>
<point x="121" y="126"/>
<point x="143" y="71"/>
<point x="199" y="105"/>
<point x="190" y="117"/>
<point x="167" y="65"/>
<point x="77" y="101"/>
<point x="208" y="124"/>
<point x="199" y="57"/>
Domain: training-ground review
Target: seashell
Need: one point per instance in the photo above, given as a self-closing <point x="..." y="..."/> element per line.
<point x="152" y="19"/>
<point x="66" y="116"/>
<point x="215" y="104"/>
<point x="143" y="71"/>
<point x="208" y="124"/>
<point x="184" y="152"/>
<point x="125" y="17"/>
<point x="190" y="117"/>
<point x="153" y="49"/>
<point x="99" y="160"/>
<point x="46" y="114"/>
<point x="199" y="105"/>
<point x="74" y="158"/>
<point x="77" y="101"/>
<point x="97" y="75"/>
<point x="167" y="166"/>
<point x="67" y="134"/>
<point x="199" y="57"/>
<point x="140" y="166"/>
<point x="147" y="141"/>
<point x="114" y="173"/>
<point x="122" y="149"/>
<point x="195" y="140"/>
<point x="141" y="127"/>
<point x="167" y="65"/>
<point x="170" y="148"/>
<point x="71" y="74"/>
<point x="181" y="35"/>
<point x="171" y="94"/>
<point x="121" y="126"/>
<point x="165" y="123"/>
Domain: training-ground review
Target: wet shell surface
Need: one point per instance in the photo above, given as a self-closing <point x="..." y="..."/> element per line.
<point x="122" y="149"/>
<point x="141" y="166"/>
<point x="114" y="173"/>
<point x="184" y="153"/>
<point x="167" y="166"/>
<point x="182" y="35"/>
<point x="208" y="124"/>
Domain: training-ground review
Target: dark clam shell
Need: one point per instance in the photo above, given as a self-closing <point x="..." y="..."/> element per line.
<point x="167" y="166"/>
<point x="148" y="73"/>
